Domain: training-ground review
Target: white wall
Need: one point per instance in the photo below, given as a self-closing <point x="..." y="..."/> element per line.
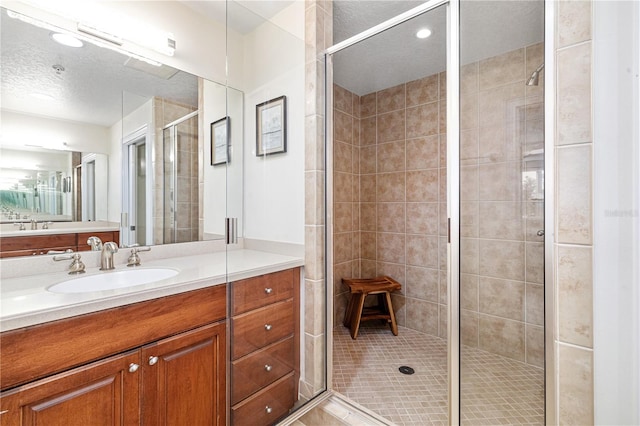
<point x="214" y="191"/>
<point x="274" y="185"/>
<point x="143" y="116"/>
<point x="21" y="129"/>
<point x="616" y="212"/>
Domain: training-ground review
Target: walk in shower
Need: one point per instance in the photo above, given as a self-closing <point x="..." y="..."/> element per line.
<point x="180" y="180"/>
<point x="414" y="154"/>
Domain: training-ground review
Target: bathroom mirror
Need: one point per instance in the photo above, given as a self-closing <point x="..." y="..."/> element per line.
<point x="132" y="137"/>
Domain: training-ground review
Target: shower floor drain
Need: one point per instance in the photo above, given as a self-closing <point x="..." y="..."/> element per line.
<point x="406" y="370"/>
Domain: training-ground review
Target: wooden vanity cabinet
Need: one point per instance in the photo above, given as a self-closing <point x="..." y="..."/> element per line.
<point x="36" y="244"/>
<point x="104" y="392"/>
<point x="265" y="347"/>
<point x="33" y="245"/>
<point x="177" y="379"/>
<point x="183" y="379"/>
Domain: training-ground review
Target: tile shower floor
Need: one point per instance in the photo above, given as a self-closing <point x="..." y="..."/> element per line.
<point x="496" y="390"/>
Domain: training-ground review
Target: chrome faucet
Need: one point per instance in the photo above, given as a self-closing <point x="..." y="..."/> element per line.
<point x="106" y="257"/>
<point x="34" y="224"/>
<point x="134" y="259"/>
<point x="76" y="267"/>
<point x="95" y="243"/>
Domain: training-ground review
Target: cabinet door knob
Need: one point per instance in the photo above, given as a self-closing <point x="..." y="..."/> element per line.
<point x="267" y="327"/>
<point x="153" y="360"/>
<point x="268" y="409"/>
<point x="267" y="367"/>
<point x="133" y="367"/>
<point x="268" y="290"/>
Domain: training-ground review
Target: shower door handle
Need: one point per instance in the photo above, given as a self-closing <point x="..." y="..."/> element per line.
<point x="231" y="230"/>
<point x="540" y="233"/>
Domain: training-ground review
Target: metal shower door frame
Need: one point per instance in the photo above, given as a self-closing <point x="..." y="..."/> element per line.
<point x="453" y="183"/>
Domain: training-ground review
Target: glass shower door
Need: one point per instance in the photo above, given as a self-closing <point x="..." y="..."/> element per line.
<point x="501" y="218"/>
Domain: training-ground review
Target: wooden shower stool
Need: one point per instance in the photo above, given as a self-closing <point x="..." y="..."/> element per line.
<point x="360" y="289"/>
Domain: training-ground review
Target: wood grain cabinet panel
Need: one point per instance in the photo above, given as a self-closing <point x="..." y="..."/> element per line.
<point x="161" y="361"/>
<point x="102" y="393"/>
<point x="256" y="329"/>
<point x="36" y="244"/>
<point x="40" y="244"/>
<point x="268" y="405"/>
<point x="184" y="379"/>
<point x="265" y="347"/>
<point x="261" y="368"/>
<point x="262" y="290"/>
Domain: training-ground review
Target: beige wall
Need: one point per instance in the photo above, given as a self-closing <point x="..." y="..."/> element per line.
<point x="187" y="194"/>
<point x="318" y="36"/>
<point x="390" y="197"/>
<point x="390" y="201"/>
<point x="501" y="205"/>
<point x="573" y="210"/>
<point x="572" y="285"/>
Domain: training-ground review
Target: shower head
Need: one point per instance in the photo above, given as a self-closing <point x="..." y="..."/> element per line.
<point x="535" y="76"/>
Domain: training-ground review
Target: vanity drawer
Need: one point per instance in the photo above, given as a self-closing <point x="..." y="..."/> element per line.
<point x="256" y="329"/>
<point x="261" y="291"/>
<point x="261" y="368"/>
<point x="267" y="406"/>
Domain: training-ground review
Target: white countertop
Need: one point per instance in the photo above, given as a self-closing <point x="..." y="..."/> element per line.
<point x="25" y="301"/>
<point x="10" y="230"/>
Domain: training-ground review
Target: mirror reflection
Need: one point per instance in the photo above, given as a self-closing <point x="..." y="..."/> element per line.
<point x="92" y="134"/>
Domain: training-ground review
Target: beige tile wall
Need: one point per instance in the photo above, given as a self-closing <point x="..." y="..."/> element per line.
<point x="389" y="192"/>
<point x="318" y="36"/>
<point x="573" y="239"/>
<point x="187" y="211"/>
<point x="502" y="258"/>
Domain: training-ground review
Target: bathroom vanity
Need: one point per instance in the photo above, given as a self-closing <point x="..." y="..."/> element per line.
<point x="60" y="236"/>
<point x="162" y="360"/>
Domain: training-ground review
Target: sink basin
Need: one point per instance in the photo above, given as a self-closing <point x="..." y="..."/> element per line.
<point x="113" y="280"/>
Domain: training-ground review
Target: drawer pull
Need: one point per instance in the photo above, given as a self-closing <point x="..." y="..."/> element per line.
<point x="268" y="409"/>
<point x="153" y="360"/>
<point x="268" y="290"/>
<point x="267" y="327"/>
<point x="267" y="367"/>
<point x="133" y="367"/>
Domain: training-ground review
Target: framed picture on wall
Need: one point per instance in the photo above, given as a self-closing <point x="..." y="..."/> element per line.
<point x="220" y="132"/>
<point x="271" y="126"/>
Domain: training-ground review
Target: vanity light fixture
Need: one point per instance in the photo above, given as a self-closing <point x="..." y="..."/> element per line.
<point x="67" y="39"/>
<point x="100" y="38"/>
<point x="423" y="33"/>
<point x="99" y="34"/>
<point x="43" y="96"/>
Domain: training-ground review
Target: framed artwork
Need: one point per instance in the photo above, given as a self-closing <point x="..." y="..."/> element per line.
<point x="271" y="126"/>
<point x="220" y="132"/>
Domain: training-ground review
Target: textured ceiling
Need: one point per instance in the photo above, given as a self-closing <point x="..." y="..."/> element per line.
<point x="243" y="16"/>
<point x="487" y="28"/>
<point x="92" y="86"/>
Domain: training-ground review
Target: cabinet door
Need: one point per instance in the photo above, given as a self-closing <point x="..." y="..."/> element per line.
<point x="102" y="393"/>
<point x="184" y="378"/>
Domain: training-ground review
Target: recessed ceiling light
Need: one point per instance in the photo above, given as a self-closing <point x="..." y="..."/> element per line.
<point x="67" y="39"/>
<point x="43" y="97"/>
<point x="423" y="33"/>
